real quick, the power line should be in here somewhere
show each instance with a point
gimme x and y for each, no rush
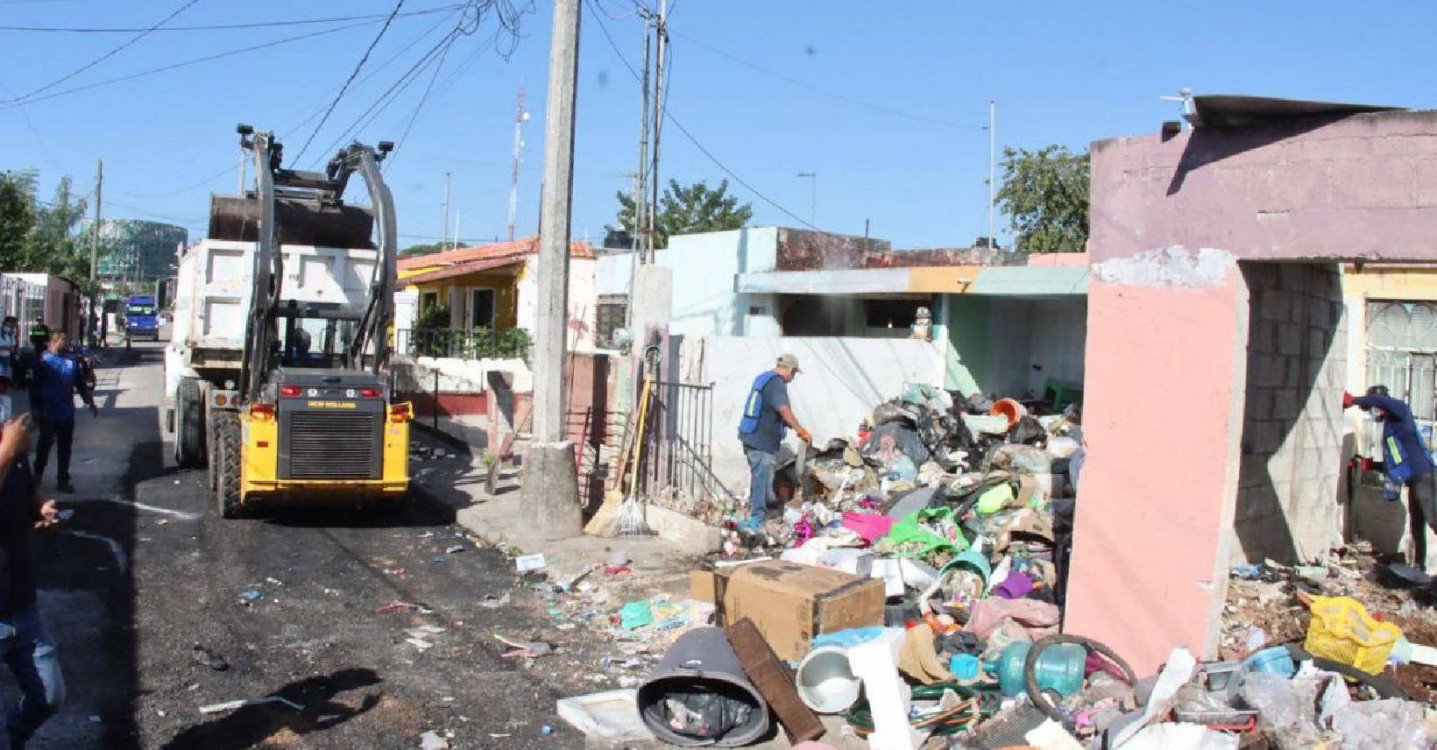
(185, 63)
(224, 26)
(669, 115)
(820, 90)
(107, 55)
(352, 75)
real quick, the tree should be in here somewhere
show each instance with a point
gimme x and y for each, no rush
(54, 246)
(17, 217)
(1045, 197)
(413, 250)
(686, 210)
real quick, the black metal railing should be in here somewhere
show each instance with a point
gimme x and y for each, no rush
(462, 343)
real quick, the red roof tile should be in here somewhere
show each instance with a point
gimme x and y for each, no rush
(512, 249)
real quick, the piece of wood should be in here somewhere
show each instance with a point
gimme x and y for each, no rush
(774, 681)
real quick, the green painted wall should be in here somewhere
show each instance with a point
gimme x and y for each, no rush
(967, 324)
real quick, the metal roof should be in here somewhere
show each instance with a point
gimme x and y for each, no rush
(1235, 111)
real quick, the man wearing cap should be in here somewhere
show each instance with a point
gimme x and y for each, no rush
(761, 430)
(1407, 461)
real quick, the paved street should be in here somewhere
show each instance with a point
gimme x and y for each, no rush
(145, 591)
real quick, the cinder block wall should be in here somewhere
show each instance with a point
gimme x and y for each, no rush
(1288, 506)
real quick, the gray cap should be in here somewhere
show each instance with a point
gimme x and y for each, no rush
(788, 360)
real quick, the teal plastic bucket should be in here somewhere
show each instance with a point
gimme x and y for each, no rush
(1276, 660)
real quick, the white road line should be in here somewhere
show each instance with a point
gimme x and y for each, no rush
(115, 548)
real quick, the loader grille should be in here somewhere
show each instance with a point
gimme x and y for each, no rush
(332, 445)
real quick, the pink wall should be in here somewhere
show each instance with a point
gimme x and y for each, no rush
(1167, 335)
(1361, 187)
(1058, 259)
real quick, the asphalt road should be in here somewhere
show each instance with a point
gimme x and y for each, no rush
(146, 575)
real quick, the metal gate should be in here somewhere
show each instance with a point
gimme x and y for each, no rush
(678, 451)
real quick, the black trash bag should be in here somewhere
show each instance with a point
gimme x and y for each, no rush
(705, 712)
(905, 438)
(894, 411)
(979, 404)
(1027, 432)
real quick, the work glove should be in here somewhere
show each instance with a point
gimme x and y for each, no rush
(1346, 399)
(805, 435)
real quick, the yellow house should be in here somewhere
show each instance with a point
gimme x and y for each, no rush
(481, 285)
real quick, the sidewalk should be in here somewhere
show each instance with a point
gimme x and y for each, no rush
(469, 429)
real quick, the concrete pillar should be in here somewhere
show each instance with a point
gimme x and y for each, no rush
(1163, 405)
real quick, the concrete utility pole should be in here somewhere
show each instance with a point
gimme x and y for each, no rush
(992, 158)
(550, 476)
(444, 243)
(661, 37)
(641, 240)
(95, 254)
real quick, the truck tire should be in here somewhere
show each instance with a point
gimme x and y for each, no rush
(226, 467)
(189, 424)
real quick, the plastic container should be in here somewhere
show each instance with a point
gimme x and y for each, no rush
(1009, 408)
(1276, 660)
(702, 662)
(965, 666)
(973, 560)
(825, 680)
(1060, 668)
(1341, 630)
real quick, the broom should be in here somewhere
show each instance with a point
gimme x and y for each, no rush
(630, 520)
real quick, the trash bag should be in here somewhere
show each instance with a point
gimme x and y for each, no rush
(1390, 724)
(893, 411)
(913, 536)
(905, 438)
(1027, 431)
(704, 714)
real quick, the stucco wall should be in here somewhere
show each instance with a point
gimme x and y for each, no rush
(583, 301)
(1364, 186)
(842, 379)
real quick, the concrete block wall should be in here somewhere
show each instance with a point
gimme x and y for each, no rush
(1288, 506)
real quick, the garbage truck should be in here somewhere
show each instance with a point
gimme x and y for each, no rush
(141, 318)
(277, 371)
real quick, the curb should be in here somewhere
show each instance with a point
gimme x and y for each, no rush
(444, 437)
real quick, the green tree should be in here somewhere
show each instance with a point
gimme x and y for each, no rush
(54, 244)
(413, 250)
(17, 217)
(1044, 194)
(686, 210)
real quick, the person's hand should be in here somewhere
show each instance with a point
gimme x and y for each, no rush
(16, 432)
(1346, 399)
(805, 435)
(49, 516)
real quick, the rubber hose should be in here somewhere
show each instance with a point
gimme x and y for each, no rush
(1385, 687)
(1030, 676)
(861, 717)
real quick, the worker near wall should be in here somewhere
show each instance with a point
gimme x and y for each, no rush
(52, 401)
(766, 411)
(1407, 461)
(25, 646)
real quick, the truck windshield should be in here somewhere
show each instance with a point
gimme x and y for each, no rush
(140, 310)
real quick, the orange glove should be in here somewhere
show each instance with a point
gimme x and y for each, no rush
(805, 435)
(1346, 399)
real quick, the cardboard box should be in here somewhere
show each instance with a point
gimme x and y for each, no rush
(701, 586)
(791, 603)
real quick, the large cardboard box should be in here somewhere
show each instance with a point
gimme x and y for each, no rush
(791, 603)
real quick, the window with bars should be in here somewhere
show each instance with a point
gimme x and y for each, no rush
(611, 311)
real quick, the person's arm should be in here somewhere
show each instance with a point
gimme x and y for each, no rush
(1392, 406)
(84, 388)
(785, 412)
(12, 443)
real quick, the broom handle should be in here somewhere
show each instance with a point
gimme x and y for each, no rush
(639, 434)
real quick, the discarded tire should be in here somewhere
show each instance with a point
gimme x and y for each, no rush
(698, 695)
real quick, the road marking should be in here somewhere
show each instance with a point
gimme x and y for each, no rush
(115, 548)
(142, 506)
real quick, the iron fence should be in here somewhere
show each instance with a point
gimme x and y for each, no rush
(678, 447)
(461, 343)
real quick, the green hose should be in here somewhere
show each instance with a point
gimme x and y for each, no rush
(861, 716)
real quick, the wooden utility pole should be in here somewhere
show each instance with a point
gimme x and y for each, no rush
(550, 475)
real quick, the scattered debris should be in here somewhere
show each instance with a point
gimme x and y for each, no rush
(432, 741)
(527, 563)
(205, 657)
(397, 606)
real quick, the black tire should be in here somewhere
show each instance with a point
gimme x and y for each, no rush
(1030, 678)
(226, 468)
(189, 424)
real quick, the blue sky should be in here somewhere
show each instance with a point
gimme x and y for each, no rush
(890, 114)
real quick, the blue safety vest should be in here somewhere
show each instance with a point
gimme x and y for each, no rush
(753, 407)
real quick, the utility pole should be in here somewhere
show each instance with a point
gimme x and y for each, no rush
(661, 45)
(642, 239)
(812, 197)
(550, 475)
(992, 158)
(520, 117)
(444, 243)
(95, 253)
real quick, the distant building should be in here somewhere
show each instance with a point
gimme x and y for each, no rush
(136, 250)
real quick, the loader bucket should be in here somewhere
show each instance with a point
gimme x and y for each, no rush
(300, 222)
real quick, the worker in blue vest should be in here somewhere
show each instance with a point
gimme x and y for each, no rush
(761, 430)
(1407, 461)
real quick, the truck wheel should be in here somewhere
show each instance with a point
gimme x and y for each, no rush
(226, 468)
(189, 424)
